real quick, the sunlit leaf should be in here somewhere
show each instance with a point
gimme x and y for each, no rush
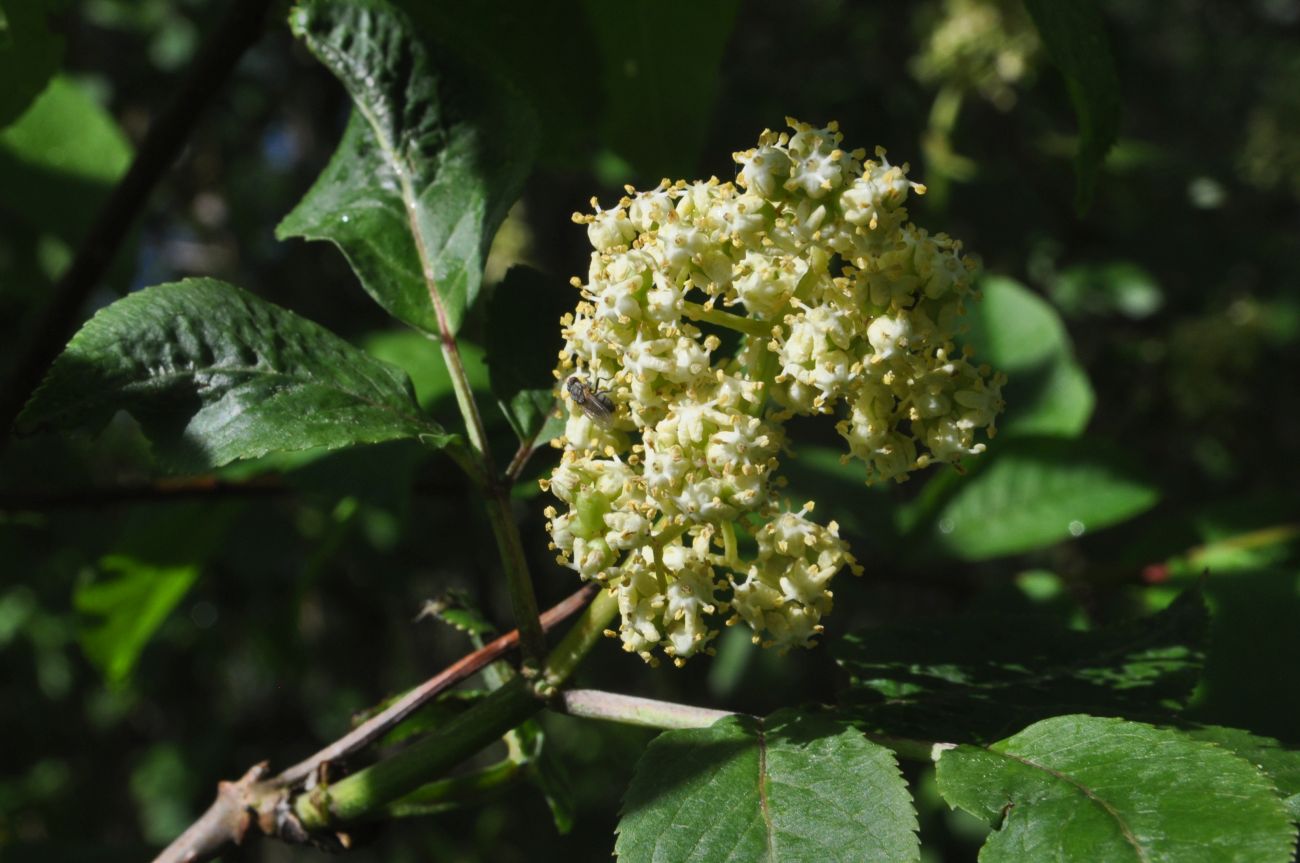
(64, 149)
(792, 787)
(127, 604)
(418, 355)
(1025, 494)
(1021, 335)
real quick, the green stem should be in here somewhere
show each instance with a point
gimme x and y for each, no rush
(523, 602)
(532, 641)
(579, 640)
(748, 326)
(762, 367)
(457, 791)
(361, 794)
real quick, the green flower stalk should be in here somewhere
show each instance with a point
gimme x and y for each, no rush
(839, 306)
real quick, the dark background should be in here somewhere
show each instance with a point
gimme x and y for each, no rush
(1178, 287)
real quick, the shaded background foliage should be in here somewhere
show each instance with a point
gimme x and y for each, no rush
(152, 646)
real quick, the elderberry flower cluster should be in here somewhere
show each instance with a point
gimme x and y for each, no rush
(833, 304)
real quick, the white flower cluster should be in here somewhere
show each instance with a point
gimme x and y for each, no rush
(836, 304)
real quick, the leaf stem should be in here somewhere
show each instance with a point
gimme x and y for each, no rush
(523, 600)
(631, 710)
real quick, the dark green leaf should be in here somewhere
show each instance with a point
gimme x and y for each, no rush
(865, 513)
(1027, 493)
(979, 678)
(792, 787)
(547, 773)
(1076, 40)
(214, 374)
(429, 164)
(30, 53)
(1083, 788)
(535, 46)
(660, 99)
(1018, 333)
(523, 341)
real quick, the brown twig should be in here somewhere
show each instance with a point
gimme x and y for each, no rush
(253, 800)
(166, 137)
(380, 724)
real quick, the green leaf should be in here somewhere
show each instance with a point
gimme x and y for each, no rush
(214, 374)
(431, 160)
(523, 41)
(157, 555)
(456, 609)
(523, 340)
(1018, 333)
(30, 53)
(979, 678)
(1280, 762)
(1025, 494)
(1076, 40)
(65, 148)
(548, 774)
(1089, 789)
(129, 606)
(660, 102)
(419, 356)
(792, 787)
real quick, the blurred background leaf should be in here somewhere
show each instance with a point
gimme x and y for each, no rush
(30, 53)
(1025, 494)
(1076, 40)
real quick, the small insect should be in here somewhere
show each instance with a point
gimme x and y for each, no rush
(596, 405)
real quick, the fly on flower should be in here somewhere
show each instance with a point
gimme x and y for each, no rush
(596, 405)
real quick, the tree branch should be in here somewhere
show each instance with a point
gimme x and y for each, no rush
(238, 30)
(230, 816)
(380, 724)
